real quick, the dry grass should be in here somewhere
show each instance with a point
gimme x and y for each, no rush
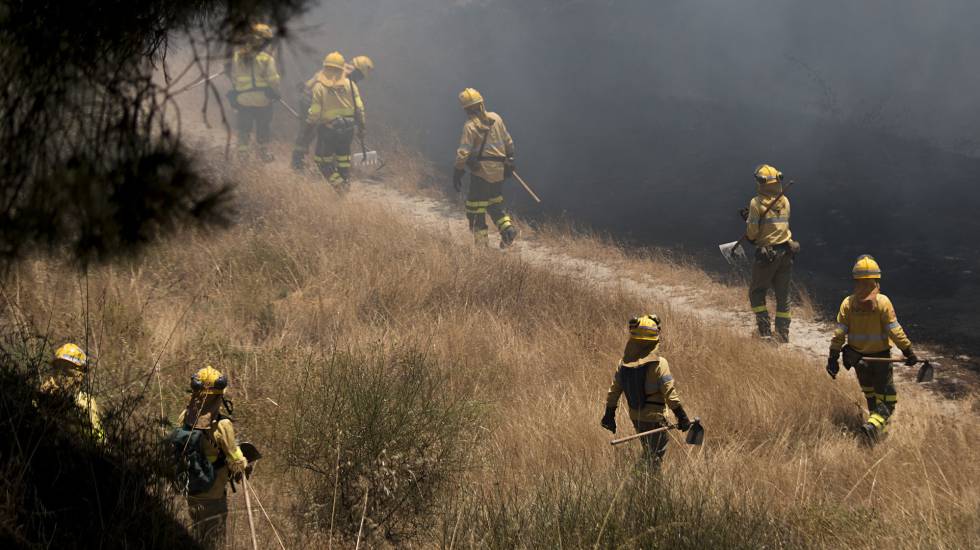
(305, 276)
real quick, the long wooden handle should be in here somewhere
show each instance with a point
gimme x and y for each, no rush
(251, 522)
(895, 359)
(639, 435)
(526, 187)
(288, 108)
(199, 82)
(762, 216)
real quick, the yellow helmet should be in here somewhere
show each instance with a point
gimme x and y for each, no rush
(262, 31)
(209, 381)
(470, 97)
(767, 175)
(646, 327)
(335, 60)
(72, 355)
(363, 63)
(866, 267)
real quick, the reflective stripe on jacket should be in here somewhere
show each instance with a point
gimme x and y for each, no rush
(251, 74)
(658, 389)
(332, 99)
(774, 228)
(499, 144)
(869, 328)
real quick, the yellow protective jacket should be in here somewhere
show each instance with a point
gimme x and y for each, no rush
(83, 400)
(774, 228)
(220, 439)
(251, 73)
(499, 145)
(655, 394)
(334, 98)
(868, 326)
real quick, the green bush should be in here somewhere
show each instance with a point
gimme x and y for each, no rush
(402, 437)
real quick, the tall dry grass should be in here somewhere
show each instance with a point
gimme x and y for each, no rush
(313, 305)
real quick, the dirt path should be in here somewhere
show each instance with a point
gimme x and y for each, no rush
(807, 337)
(433, 215)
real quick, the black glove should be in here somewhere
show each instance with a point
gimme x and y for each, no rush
(509, 168)
(744, 213)
(683, 422)
(851, 357)
(458, 179)
(910, 359)
(833, 363)
(609, 420)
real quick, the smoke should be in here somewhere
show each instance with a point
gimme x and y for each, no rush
(646, 119)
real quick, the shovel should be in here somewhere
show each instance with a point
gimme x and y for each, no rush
(926, 371)
(695, 435)
(734, 252)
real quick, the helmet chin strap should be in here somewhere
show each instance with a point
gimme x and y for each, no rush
(229, 406)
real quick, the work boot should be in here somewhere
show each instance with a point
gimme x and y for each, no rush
(344, 185)
(298, 163)
(871, 434)
(265, 156)
(782, 330)
(508, 236)
(763, 325)
(481, 238)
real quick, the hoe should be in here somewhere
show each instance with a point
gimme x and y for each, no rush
(695, 435)
(925, 373)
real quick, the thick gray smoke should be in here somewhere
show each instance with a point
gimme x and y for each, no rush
(646, 119)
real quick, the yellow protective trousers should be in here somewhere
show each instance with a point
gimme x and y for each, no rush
(485, 198)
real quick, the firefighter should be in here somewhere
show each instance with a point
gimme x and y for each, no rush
(336, 111)
(357, 70)
(775, 250)
(208, 506)
(70, 367)
(644, 376)
(255, 87)
(867, 321)
(488, 150)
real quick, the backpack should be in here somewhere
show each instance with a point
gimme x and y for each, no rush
(195, 474)
(633, 380)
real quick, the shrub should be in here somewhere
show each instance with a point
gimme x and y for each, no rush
(401, 439)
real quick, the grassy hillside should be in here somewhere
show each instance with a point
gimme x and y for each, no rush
(460, 391)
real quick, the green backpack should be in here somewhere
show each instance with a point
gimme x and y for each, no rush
(195, 473)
